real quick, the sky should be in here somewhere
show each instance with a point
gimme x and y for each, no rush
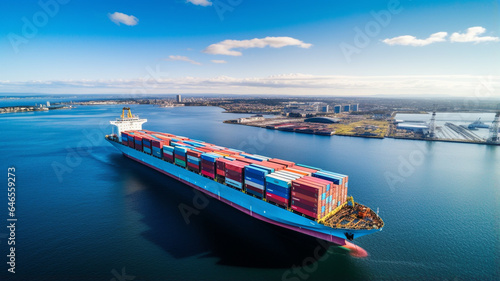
(303, 48)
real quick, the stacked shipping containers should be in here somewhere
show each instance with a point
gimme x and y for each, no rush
(146, 144)
(158, 142)
(309, 197)
(138, 142)
(208, 164)
(194, 160)
(255, 179)
(234, 173)
(339, 180)
(304, 189)
(168, 153)
(180, 155)
(221, 166)
(278, 187)
(125, 139)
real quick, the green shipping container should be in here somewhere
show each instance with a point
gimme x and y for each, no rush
(180, 162)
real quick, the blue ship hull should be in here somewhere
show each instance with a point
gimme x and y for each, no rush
(248, 204)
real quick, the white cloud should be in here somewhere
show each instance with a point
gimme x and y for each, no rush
(285, 84)
(408, 40)
(226, 47)
(182, 58)
(218, 61)
(472, 36)
(203, 3)
(118, 18)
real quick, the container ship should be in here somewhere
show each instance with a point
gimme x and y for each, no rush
(301, 198)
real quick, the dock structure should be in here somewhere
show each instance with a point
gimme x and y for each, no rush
(493, 137)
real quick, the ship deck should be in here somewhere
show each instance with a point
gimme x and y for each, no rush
(354, 217)
(349, 217)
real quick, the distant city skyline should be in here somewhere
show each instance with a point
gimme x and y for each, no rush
(406, 48)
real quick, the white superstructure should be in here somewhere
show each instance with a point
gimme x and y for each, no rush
(129, 122)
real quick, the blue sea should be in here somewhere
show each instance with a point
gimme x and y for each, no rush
(85, 212)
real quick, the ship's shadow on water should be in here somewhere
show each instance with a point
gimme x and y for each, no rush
(209, 228)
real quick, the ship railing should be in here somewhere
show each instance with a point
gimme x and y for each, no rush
(336, 210)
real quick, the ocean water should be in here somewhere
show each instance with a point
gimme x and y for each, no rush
(85, 212)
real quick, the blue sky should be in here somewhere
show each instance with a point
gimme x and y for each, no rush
(278, 47)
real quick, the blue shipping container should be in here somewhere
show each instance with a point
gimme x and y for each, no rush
(275, 192)
(157, 151)
(233, 183)
(277, 188)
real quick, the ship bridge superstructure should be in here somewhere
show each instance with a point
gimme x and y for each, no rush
(128, 122)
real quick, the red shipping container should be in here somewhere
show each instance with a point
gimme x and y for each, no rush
(310, 182)
(210, 175)
(304, 203)
(229, 152)
(260, 191)
(318, 180)
(305, 212)
(307, 202)
(168, 158)
(131, 141)
(235, 166)
(276, 197)
(234, 173)
(194, 153)
(209, 167)
(221, 172)
(220, 163)
(307, 186)
(282, 162)
(275, 166)
(159, 144)
(304, 169)
(235, 178)
(306, 192)
(193, 169)
(322, 181)
(304, 196)
(183, 158)
(277, 202)
(245, 160)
